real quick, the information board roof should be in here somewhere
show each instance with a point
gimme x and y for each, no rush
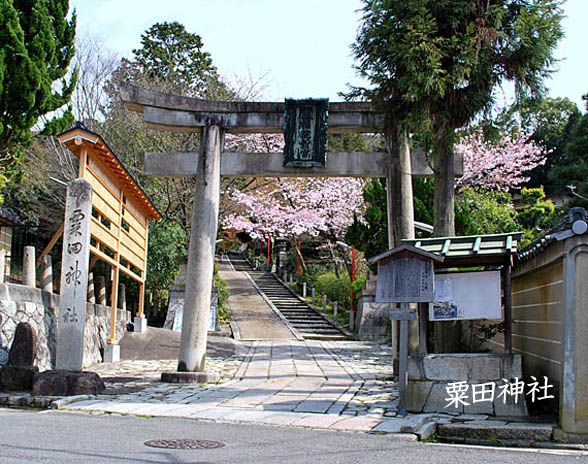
(406, 247)
(471, 249)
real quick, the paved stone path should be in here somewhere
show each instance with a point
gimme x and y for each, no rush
(255, 318)
(337, 385)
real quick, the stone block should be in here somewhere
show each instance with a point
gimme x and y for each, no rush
(471, 417)
(485, 368)
(17, 378)
(374, 322)
(427, 430)
(22, 293)
(480, 407)
(497, 430)
(446, 367)
(510, 408)
(4, 292)
(437, 401)
(517, 431)
(512, 367)
(417, 393)
(412, 423)
(111, 353)
(140, 325)
(49, 300)
(67, 383)
(415, 368)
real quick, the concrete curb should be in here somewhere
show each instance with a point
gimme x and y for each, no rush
(67, 400)
(412, 428)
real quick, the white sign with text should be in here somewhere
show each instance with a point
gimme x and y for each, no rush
(466, 295)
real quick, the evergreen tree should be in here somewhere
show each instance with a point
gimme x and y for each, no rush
(444, 58)
(172, 56)
(572, 169)
(36, 47)
(370, 235)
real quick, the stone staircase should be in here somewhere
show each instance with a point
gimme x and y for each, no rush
(309, 323)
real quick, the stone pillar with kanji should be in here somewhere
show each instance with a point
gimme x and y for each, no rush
(74, 276)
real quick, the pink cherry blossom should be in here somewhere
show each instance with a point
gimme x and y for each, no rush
(501, 166)
(295, 205)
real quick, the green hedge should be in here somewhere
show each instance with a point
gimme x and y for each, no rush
(336, 289)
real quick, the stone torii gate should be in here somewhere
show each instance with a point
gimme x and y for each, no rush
(214, 119)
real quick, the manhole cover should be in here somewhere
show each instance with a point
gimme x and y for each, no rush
(184, 443)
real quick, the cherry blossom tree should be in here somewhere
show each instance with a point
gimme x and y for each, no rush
(297, 206)
(290, 206)
(501, 166)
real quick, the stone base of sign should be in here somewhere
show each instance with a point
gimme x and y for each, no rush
(189, 377)
(111, 353)
(17, 378)
(140, 324)
(372, 321)
(67, 383)
(175, 309)
(565, 437)
(429, 376)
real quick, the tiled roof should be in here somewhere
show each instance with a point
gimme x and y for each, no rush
(8, 215)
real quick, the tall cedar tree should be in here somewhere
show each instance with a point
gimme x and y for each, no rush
(442, 60)
(171, 54)
(36, 47)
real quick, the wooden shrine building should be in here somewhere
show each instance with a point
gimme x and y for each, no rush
(121, 212)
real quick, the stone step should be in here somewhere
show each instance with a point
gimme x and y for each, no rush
(310, 324)
(497, 430)
(317, 331)
(292, 313)
(294, 309)
(298, 312)
(325, 337)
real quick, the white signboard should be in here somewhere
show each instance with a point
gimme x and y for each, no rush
(466, 295)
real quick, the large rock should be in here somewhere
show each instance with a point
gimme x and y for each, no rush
(67, 383)
(17, 378)
(24, 346)
(19, 372)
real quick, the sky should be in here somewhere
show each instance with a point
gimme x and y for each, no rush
(296, 48)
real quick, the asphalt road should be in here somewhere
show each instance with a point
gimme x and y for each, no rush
(56, 437)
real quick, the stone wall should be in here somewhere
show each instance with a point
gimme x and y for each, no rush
(550, 323)
(429, 377)
(19, 303)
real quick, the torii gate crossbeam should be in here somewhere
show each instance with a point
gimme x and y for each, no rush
(183, 114)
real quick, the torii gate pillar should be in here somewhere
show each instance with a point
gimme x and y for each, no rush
(200, 261)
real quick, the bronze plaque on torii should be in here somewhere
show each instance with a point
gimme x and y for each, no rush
(305, 132)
